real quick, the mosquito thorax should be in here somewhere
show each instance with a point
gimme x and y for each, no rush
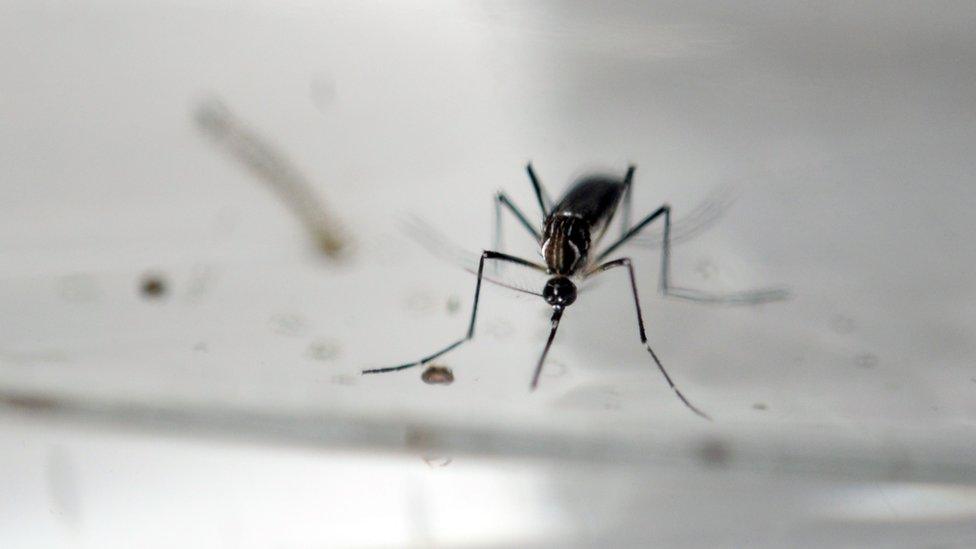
(566, 243)
(559, 291)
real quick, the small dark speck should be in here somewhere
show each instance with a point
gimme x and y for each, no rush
(343, 380)
(706, 269)
(323, 349)
(714, 452)
(153, 286)
(419, 438)
(453, 305)
(201, 279)
(866, 360)
(30, 402)
(288, 324)
(323, 92)
(842, 324)
(437, 375)
(759, 406)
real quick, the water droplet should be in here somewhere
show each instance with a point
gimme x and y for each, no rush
(323, 349)
(288, 324)
(500, 329)
(453, 305)
(706, 269)
(421, 303)
(343, 380)
(437, 461)
(842, 324)
(78, 288)
(323, 92)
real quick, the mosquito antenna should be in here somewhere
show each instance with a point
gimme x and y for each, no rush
(671, 383)
(540, 193)
(556, 315)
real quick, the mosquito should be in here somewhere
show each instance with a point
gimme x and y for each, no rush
(570, 235)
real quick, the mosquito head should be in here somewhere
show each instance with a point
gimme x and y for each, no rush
(559, 292)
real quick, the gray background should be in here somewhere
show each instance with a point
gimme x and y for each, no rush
(229, 412)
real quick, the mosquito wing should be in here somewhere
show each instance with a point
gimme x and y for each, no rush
(698, 220)
(442, 247)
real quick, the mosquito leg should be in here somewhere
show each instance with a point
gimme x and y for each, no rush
(501, 199)
(625, 262)
(752, 297)
(488, 254)
(628, 192)
(557, 313)
(545, 203)
(630, 233)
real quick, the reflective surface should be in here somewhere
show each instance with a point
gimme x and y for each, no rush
(179, 362)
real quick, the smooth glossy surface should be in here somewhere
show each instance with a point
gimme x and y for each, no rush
(228, 410)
